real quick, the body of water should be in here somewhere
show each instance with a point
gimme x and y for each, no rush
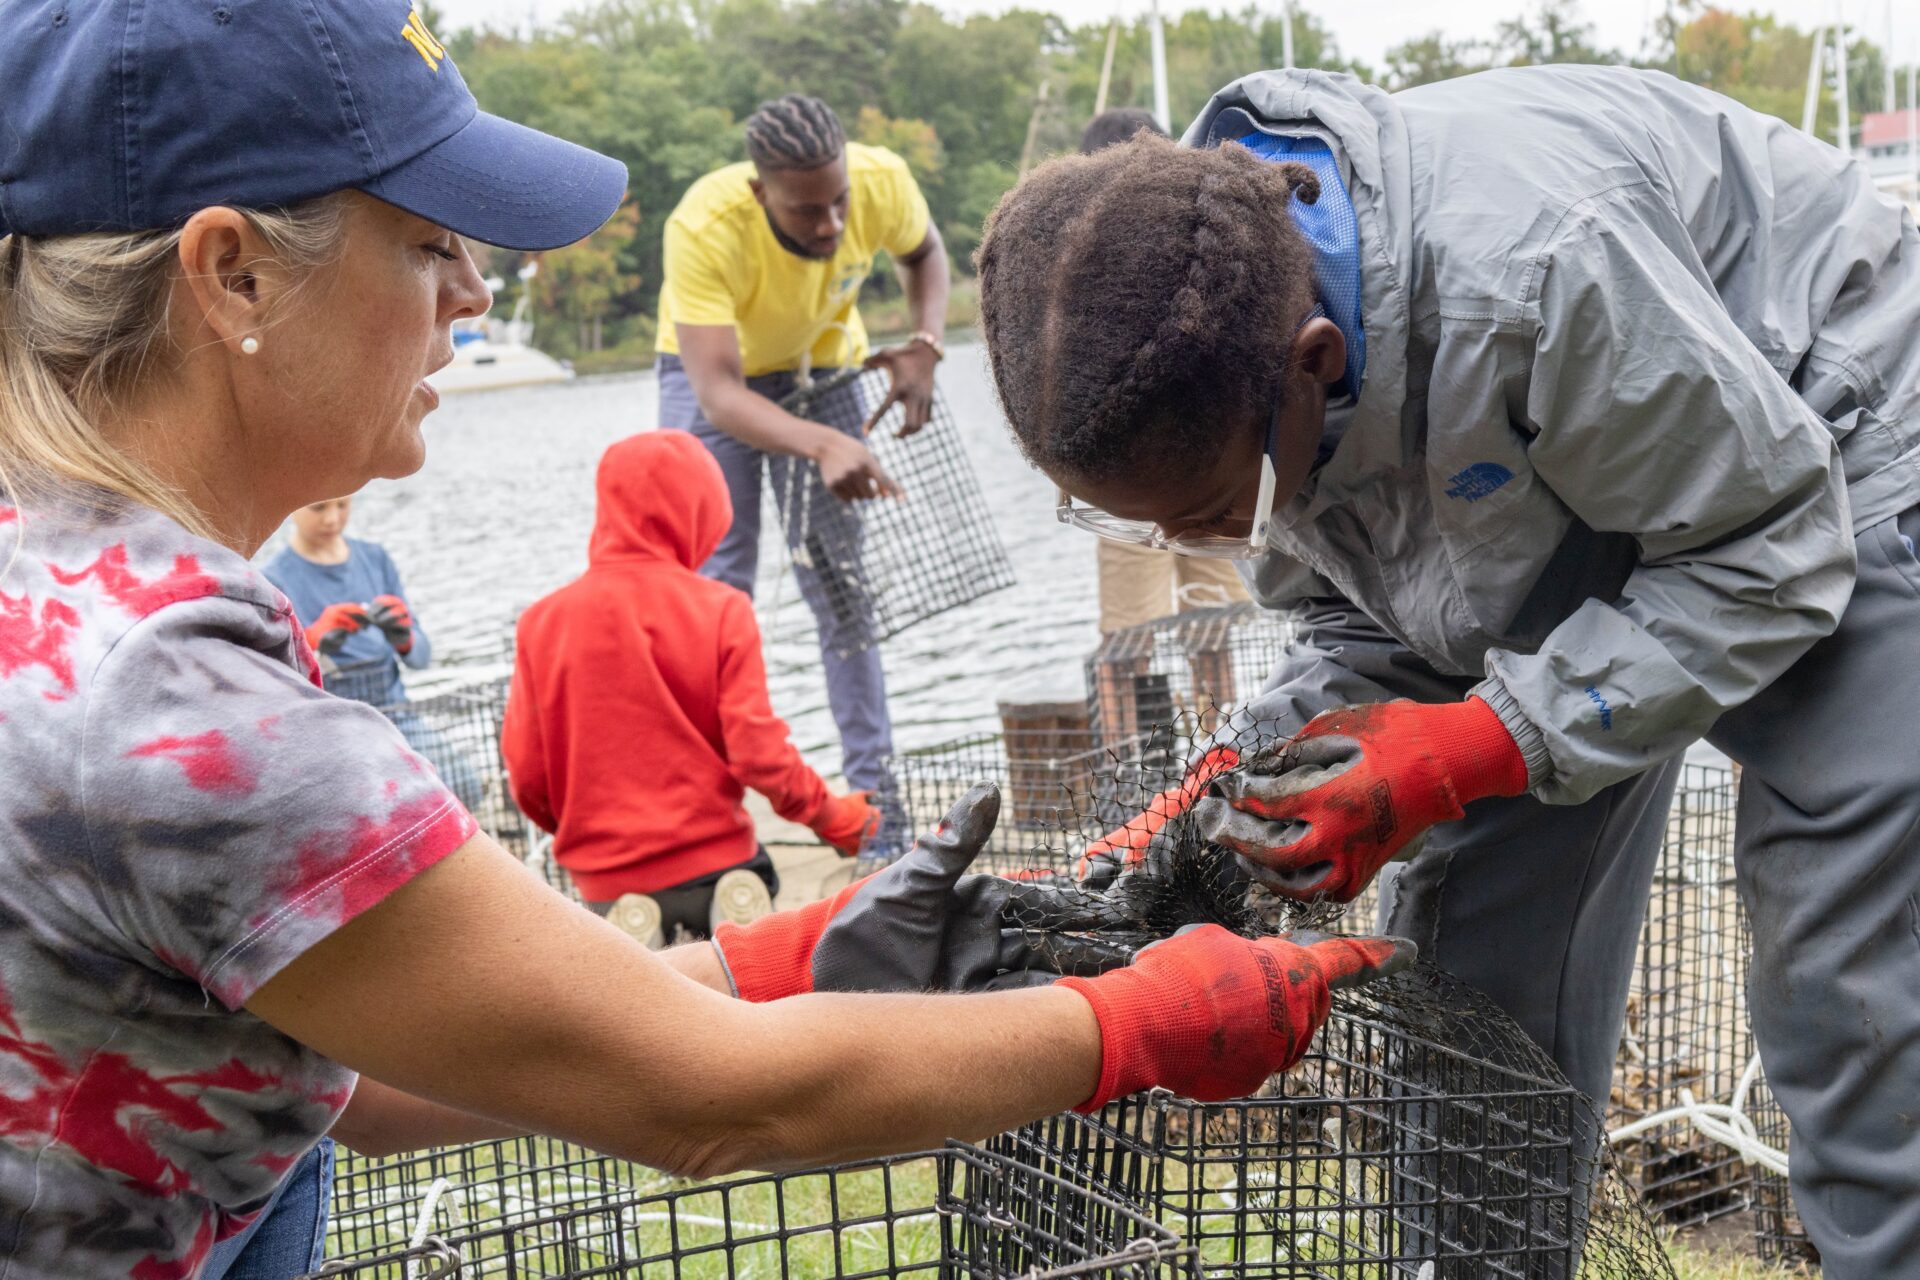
(500, 514)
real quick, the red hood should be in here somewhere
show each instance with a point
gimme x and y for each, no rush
(660, 496)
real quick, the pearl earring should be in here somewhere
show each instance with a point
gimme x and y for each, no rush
(249, 345)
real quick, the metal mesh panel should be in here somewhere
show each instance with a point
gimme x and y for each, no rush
(1687, 1026)
(1777, 1233)
(1045, 777)
(1422, 1136)
(882, 565)
(959, 1212)
(378, 1204)
(1188, 664)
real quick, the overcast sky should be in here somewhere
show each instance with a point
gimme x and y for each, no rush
(1365, 28)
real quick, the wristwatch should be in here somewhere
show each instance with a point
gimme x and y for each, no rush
(931, 341)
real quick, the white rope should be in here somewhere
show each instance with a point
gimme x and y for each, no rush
(423, 1223)
(1726, 1123)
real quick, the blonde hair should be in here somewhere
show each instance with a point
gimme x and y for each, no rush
(83, 324)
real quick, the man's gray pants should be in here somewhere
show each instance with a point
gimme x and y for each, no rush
(1541, 905)
(856, 684)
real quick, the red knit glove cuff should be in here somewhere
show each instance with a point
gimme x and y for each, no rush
(1480, 756)
(1130, 1014)
(772, 958)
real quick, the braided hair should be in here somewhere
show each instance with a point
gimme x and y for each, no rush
(794, 132)
(1138, 301)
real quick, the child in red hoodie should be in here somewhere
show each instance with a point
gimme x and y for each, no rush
(639, 716)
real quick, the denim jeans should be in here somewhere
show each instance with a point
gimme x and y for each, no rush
(289, 1237)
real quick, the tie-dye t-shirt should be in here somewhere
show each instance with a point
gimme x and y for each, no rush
(182, 812)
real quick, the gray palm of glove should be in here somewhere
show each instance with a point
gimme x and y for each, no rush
(1269, 778)
(926, 924)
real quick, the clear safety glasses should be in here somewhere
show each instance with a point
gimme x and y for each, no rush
(1209, 546)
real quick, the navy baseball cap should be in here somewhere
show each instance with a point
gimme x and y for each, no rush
(131, 115)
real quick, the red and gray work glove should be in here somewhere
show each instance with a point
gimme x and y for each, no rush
(1321, 815)
(845, 822)
(395, 620)
(336, 622)
(1210, 1015)
(921, 924)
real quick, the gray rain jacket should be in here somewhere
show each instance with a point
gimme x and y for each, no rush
(1640, 362)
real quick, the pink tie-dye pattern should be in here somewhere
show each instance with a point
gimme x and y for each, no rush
(43, 641)
(136, 595)
(207, 759)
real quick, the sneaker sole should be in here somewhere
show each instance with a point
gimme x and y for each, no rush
(638, 916)
(740, 897)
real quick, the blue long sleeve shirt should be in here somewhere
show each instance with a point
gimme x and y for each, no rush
(366, 572)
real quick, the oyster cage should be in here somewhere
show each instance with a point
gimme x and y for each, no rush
(1687, 1030)
(882, 565)
(1192, 663)
(1422, 1136)
(959, 1213)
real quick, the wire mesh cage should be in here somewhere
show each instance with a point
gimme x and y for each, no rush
(1197, 662)
(881, 565)
(1778, 1235)
(1425, 1134)
(384, 1204)
(1687, 1035)
(1043, 774)
(1422, 1136)
(959, 1212)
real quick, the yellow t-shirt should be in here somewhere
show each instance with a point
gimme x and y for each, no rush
(723, 265)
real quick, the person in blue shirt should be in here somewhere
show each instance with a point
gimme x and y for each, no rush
(347, 593)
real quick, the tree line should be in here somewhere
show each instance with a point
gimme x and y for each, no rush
(665, 84)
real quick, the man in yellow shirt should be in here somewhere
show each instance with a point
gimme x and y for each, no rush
(764, 262)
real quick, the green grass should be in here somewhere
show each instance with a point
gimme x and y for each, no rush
(1694, 1259)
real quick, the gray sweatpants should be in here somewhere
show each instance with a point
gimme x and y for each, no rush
(1541, 905)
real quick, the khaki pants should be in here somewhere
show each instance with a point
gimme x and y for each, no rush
(1139, 584)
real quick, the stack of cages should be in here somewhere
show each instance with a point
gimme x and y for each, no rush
(959, 1213)
(882, 565)
(1423, 1136)
(1197, 663)
(1687, 1034)
(1066, 768)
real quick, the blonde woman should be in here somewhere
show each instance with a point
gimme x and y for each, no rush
(230, 251)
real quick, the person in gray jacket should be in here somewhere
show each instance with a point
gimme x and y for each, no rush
(1578, 408)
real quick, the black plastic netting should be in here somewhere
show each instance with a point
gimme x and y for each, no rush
(1425, 1135)
(882, 565)
(533, 1209)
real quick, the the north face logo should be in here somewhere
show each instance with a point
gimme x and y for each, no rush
(1477, 481)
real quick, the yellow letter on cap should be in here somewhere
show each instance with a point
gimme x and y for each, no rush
(416, 34)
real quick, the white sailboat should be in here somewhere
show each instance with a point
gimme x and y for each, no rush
(490, 353)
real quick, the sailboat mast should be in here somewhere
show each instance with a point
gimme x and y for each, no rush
(1162, 113)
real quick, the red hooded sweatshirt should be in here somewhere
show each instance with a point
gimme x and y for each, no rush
(639, 714)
